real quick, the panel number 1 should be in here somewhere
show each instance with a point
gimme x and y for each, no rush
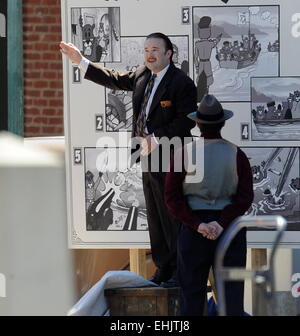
(76, 75)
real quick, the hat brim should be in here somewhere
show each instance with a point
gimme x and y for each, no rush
(227, 115)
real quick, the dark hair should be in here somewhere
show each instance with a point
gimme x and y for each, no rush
(210, 128)
(167, 41)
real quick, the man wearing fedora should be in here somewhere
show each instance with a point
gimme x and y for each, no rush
(207, 207)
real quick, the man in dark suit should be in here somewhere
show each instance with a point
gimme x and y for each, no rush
(162, 97)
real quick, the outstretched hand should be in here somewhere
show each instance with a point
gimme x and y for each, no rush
(71, 51)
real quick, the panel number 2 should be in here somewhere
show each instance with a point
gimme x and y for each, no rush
(77, 156)
(185, 15)
(99, 123)
(245, 131)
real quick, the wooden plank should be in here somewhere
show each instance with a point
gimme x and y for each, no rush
(161, 306)
(143, 301)
(15, 67)
(258, 258)
(147, 291)
(138, 262)
(259, 304)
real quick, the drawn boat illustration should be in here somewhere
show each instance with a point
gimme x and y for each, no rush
(239, 54)
(281, 119)
(275, 126)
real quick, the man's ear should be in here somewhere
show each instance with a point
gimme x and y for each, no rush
(169, 53)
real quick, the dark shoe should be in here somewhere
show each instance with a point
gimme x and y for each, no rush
(160, 276)
(172, 282)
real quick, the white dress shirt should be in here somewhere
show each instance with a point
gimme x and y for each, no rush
(159, 77)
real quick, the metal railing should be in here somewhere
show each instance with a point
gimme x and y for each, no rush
(263, 277)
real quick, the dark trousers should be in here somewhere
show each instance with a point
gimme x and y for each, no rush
(163, 228)
(195, 258)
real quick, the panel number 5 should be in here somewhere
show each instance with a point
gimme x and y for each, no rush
(77, 156)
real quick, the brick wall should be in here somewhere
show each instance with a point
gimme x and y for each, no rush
(43, 78)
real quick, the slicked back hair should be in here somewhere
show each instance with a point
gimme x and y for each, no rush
(167, 41)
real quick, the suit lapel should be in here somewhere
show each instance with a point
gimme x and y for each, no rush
(162, 87)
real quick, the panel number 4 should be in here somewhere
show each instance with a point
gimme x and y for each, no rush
(245, 131)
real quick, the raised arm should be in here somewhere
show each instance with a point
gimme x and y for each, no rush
(98, 74)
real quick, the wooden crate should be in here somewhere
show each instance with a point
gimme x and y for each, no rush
(156, 301)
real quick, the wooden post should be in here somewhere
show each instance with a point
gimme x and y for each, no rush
(259, 304)
(138, 262)
(258, 258)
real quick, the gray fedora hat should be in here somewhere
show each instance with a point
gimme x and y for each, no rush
(210, 111)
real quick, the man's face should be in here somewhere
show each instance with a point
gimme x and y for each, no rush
(155, 54)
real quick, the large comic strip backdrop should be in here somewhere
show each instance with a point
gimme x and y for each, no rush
(231, 45)
(241, 53)
(118, 107)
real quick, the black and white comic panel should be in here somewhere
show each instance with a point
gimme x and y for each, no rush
(231, 45)
(113, 192)
(275, 108)
(96, 33)
(276, 183)
(119, 103)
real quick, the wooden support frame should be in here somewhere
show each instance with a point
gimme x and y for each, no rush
(259, 258)
(138, 262)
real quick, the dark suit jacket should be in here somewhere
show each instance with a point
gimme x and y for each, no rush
(177, 89)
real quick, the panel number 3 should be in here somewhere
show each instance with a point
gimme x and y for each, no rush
(185, 15)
